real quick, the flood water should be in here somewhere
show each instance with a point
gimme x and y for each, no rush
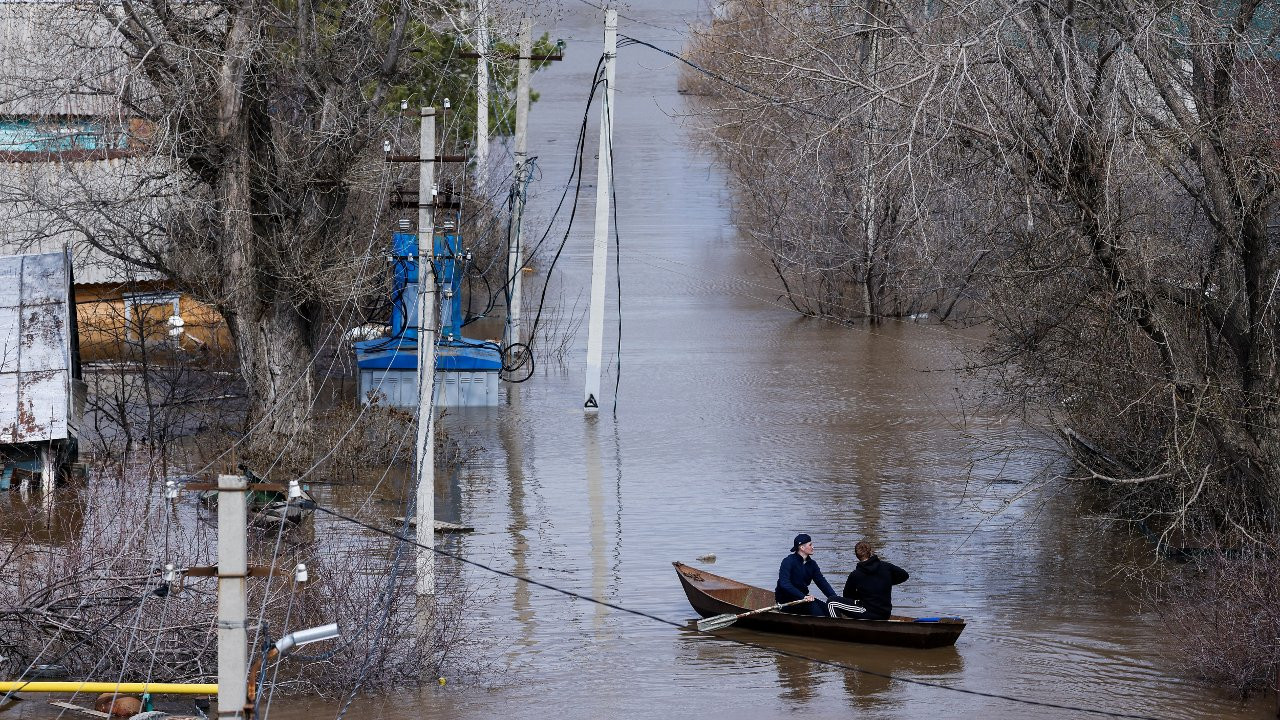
(739, 424)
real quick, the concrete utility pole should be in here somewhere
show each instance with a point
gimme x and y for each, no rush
(604, 187)
(426, 498)
(515, 253)
(482, 95)
(233, 566)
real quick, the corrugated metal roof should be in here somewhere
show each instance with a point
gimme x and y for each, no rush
(58, 58)
(97, 196)
(35, 347)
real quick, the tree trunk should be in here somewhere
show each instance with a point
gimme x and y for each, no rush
(274, 347)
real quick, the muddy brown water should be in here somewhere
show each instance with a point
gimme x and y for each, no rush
(738, 425)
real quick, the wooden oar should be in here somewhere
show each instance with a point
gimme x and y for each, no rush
(727, 619)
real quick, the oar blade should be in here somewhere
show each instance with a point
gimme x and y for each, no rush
(717, 622)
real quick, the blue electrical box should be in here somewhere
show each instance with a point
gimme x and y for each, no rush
(466, 371)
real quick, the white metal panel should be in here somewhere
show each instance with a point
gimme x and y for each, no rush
(8, 399)
(42, 406)
(43, 338)
(35, 349)
(44, 279)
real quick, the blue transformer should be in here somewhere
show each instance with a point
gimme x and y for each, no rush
(466, 370)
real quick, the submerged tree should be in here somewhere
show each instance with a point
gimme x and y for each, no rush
(248, 168)
(1110, 172)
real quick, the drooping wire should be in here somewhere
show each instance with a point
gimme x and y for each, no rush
(388, 594)
(625, 40)
(404, 538)
(617, 264)
(575, 180)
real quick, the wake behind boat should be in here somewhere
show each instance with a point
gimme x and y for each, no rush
(712, 595)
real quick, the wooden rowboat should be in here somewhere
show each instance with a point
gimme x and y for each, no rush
(714, 595)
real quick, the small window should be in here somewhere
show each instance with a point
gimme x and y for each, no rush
(146, 317)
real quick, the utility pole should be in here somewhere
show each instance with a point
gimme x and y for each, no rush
(604, 187)
(515, 251)
(233, 567)
(426, 499)
(482, 95)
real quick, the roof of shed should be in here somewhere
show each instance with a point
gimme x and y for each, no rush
(59, 58)
(35, 347)
(51, 205)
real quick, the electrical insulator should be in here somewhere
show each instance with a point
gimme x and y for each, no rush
(169, 573)
(404, 104)
(300, 573)
(446, 103)
(386, 146)
(295, 490)
(170, 490)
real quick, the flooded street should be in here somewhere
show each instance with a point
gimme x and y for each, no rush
(739, 424)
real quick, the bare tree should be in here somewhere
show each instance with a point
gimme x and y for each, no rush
(1100, 180)
(1106, 174)
(256, 180)
(85, 591)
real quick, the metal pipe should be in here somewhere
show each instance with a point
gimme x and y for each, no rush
(72, 686)
(286, 644)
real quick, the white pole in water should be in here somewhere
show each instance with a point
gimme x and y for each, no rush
(426, 499)
(233, 566)
(515, 253)
(604, 187)
(482, 95)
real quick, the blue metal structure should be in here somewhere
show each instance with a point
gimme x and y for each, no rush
(466, 369)
(22, 135)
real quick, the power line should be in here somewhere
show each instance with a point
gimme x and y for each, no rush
(626, 40)
(650, 616)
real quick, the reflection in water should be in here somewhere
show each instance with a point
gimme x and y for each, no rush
(617, 520)
(518, 526)
(868, 687)
(869, 684)
(51, 518)
(595, 502)
(740, 425)
(797, 678)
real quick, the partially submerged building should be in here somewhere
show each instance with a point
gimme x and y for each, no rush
(76, 171)
(41, 391)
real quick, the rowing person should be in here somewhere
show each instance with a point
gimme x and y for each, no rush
(797, 571)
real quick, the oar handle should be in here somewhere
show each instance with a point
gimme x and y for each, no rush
(727, 619)
(777, 606)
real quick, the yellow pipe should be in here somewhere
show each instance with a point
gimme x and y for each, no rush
(35, 686)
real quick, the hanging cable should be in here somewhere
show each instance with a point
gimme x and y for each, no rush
(575, 179)
(403, 537)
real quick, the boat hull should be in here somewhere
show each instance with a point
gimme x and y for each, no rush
(711, 595)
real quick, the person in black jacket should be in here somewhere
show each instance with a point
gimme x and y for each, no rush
(871, 583)
(794, 575)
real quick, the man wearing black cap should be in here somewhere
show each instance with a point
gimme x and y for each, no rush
(797, 571)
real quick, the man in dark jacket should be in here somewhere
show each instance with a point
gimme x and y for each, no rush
(797, 571)
(871, 583)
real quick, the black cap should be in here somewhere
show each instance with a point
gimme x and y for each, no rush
(800, 540)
